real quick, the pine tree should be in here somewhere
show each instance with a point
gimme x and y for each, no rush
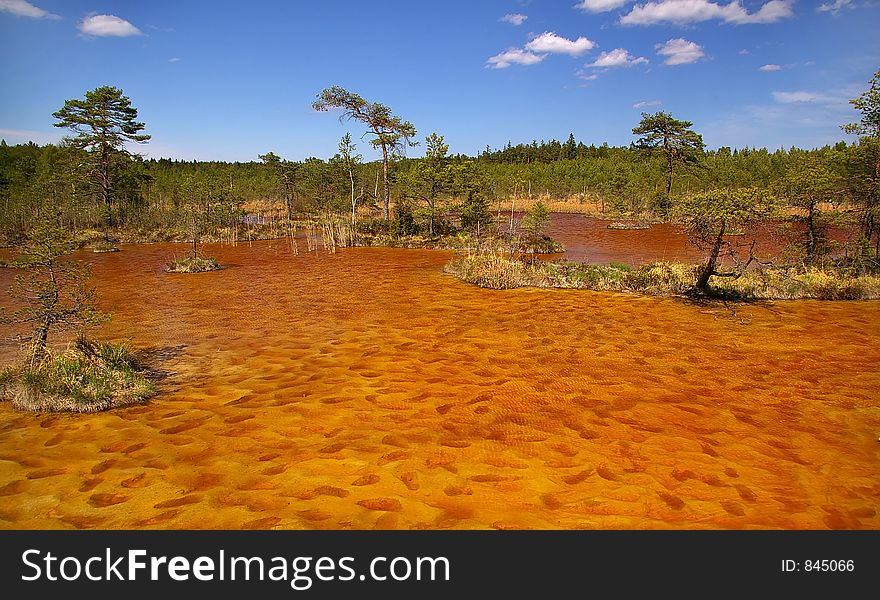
(103, 122)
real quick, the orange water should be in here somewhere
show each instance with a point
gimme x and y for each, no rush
(368, 389)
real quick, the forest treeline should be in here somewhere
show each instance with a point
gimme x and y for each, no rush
(94, 181)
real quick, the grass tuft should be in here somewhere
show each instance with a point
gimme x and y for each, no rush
(87, 377)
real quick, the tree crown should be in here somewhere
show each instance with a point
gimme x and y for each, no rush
(869, 105)
(662, 131)
(105, 119)
(389, 130)
(704, 213)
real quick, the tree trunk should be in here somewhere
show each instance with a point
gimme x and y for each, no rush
(287, 199)
(709, 269)
(386, 191)
(668, 172)
(353, 201)
(106, 188)
(38, 346)
(812, 234)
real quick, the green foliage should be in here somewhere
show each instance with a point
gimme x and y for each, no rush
(404, 221)
(536, 219)
(104, 119)
(709, 215)
(431, 180)
(869, 105)
(475, 212)
(661, 203)
(204, 206)
(808, 184)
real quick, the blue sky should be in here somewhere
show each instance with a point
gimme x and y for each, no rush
(226, 80)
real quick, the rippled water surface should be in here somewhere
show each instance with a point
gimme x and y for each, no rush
(368, 389)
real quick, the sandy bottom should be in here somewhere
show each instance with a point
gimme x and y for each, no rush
(370, 390)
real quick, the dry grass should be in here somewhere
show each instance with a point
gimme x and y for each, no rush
(585, 204)
(794, 284)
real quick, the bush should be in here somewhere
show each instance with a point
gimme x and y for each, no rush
(86, 377)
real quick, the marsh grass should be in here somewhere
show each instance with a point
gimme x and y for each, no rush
(190, 264)
(662, 279)
(86, 377)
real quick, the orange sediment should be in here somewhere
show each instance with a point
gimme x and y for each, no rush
(367, 389)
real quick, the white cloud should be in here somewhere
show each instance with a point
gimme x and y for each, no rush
(551, 43)
(770, 68)
(174, 59)
(837, 98)
(682, 12)
(587, 76)
(107, 25)
(514, 18)
(836, 7)
(21, 8)
(618, 57)
(514, 56)
(597, 6)
(743, 52)
(646, 104)
(680, 52)
(796, 97)
(23, 136)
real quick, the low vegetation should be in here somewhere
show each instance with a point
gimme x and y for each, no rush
(105, 246)
(86, 377)
(662, 279)
(193, 264)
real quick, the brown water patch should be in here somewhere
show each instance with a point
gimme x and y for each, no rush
(384, 504)
(587, 239)
(368, 389)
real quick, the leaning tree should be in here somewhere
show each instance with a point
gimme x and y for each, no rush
(103, 122)
(709, 215)
(673, 138)
(390, 133)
